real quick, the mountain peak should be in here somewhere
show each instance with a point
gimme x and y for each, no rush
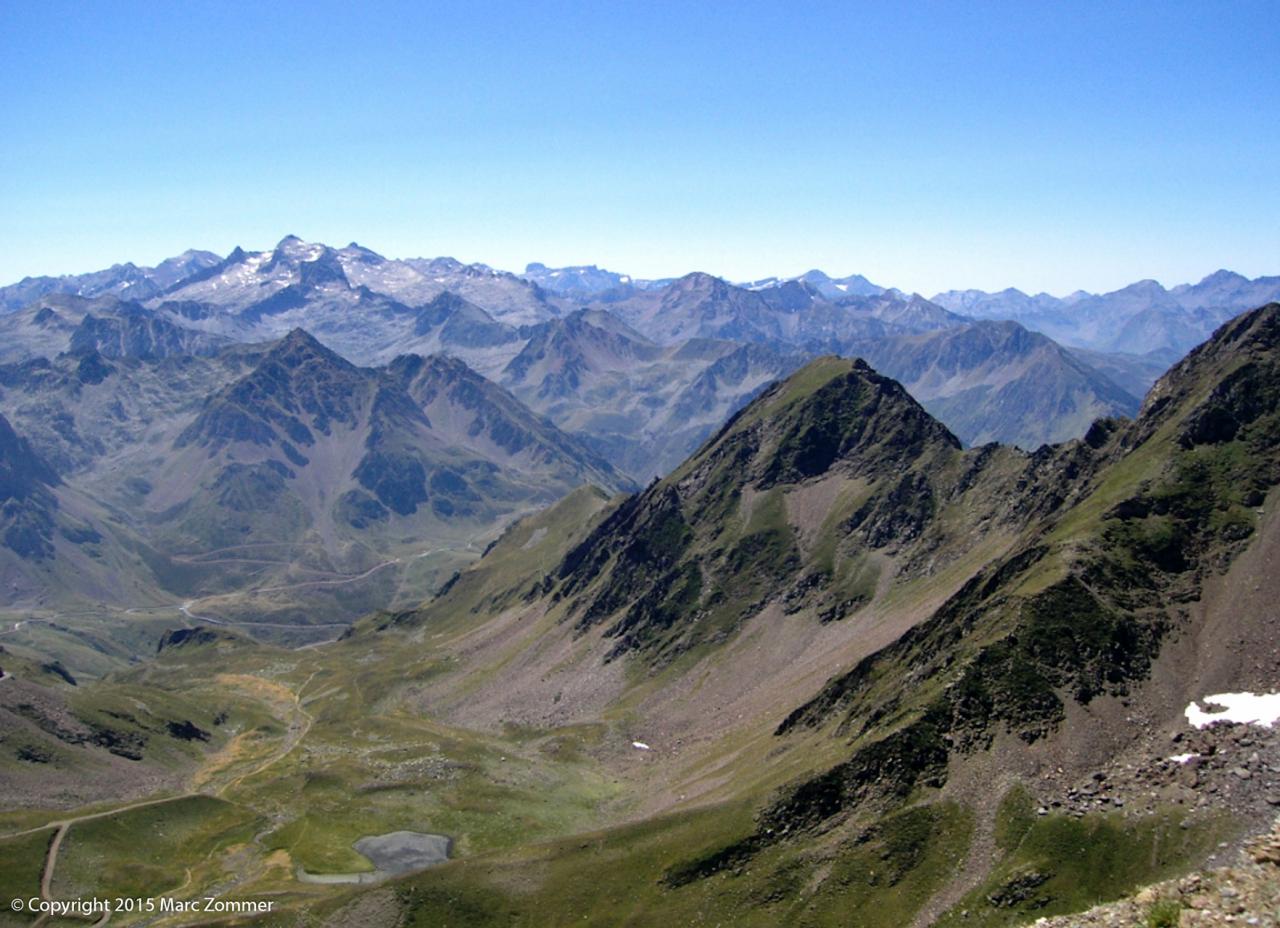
(699, 279)
(1222, 276)
(1223, 383)
(1145, 286)
(697, 552)
(698, 282)
(297, 379)
(299, 338)
(832, 412)
(357, 252)
(446, 301)
(410, 366)
(292, 251)
(299, 347)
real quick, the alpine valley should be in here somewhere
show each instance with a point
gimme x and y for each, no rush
(414, 592)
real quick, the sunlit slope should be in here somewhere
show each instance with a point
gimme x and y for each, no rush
(830, 669)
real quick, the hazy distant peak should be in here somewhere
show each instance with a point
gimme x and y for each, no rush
(357, 252)
(295, 249)
(582, 280)
(699, 279)
(830, 288)
(447, 300)
(1144, 286)
(1222, 276)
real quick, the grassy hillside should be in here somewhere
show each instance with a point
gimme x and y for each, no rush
(835, 669)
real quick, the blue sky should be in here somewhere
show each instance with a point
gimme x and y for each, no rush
(1043, 146)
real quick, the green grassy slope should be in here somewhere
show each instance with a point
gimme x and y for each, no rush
(964, 608)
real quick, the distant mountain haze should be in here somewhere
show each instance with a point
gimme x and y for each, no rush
(639, 370)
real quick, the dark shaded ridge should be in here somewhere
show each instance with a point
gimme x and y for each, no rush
(296, 378)
(681, 566)
(848, 417)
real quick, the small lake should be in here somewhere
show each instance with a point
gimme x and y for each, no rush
(391, 854)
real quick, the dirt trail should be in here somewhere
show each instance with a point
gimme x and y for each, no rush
(299, 726)
(67, 822)
(51, 857)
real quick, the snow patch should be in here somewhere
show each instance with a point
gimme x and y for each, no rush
(1246, 708)
(1183, 758)
(640, 745)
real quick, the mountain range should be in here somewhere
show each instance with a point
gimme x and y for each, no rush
(276, 484)
(1143, 318)
(371, 309)
(368, 424)
(125, 281)
(835, 664)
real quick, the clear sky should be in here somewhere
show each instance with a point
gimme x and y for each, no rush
(928, 146)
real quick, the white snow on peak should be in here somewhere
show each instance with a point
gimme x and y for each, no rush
(842, 287)
(1247, 708)
(640, 745)
(1182, 758)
